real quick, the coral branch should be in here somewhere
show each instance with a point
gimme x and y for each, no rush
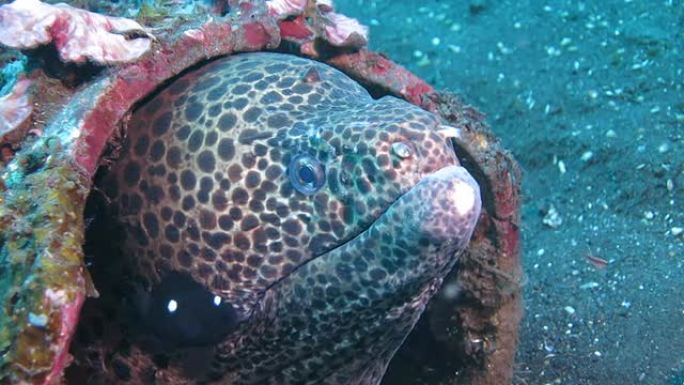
(77, 34)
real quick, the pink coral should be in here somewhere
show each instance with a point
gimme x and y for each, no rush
(15, 108)
(325, 5)
(345, 31)
(77, 34)
(337, 29)
(284, 8)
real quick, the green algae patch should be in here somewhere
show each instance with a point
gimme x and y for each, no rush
(43, 280)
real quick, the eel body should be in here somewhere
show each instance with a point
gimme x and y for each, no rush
(317, 219)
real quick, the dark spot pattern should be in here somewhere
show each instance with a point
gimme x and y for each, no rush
(252, 114)
(206, 161)
(162, 123)
(131, 173)
(174, 157)
(227, 121)
(157, 150)
(188, 180)
(226, 149)
(195, 140)
(141, 146)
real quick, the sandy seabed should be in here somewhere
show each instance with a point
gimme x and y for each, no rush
(588, 96)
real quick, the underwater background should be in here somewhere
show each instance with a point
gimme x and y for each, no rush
(588, 95)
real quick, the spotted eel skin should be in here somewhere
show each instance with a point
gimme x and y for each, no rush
(327, 277)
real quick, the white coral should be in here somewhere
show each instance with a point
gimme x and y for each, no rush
(77, 34)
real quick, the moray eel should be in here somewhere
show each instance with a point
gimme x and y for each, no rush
(321, 219)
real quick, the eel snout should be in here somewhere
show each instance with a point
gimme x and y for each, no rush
(443, 207)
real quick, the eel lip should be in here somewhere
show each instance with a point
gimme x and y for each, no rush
(445, 204)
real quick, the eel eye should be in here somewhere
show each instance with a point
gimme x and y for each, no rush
(306, 173)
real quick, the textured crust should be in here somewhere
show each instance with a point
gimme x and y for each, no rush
(78, 35)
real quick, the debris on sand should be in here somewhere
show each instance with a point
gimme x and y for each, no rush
(597, 262)
(552, 218)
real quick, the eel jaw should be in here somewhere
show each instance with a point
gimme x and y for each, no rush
(358, 301)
